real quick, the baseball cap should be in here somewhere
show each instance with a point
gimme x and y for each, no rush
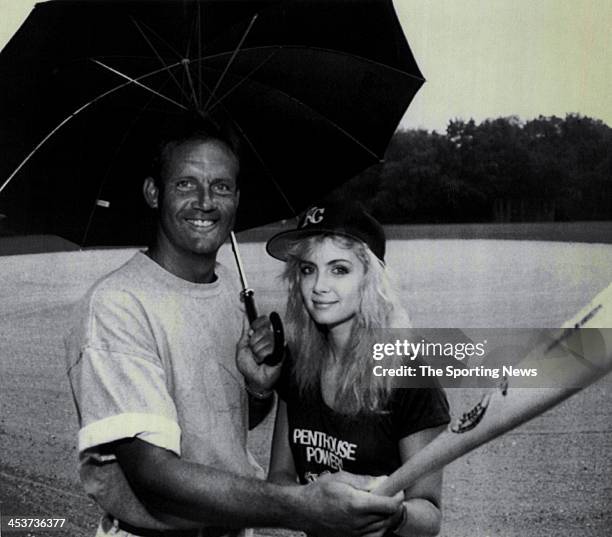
(348, 219)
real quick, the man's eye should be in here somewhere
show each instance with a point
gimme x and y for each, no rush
(184, 184)
(222, 188)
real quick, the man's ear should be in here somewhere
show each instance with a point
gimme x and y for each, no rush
(151, 192)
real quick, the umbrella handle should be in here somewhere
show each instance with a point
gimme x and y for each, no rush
(279, 340)
(249, 304)
(277, 327)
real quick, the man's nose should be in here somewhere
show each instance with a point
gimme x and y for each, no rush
(204, 199)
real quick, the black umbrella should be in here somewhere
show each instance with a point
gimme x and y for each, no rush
(315, 87)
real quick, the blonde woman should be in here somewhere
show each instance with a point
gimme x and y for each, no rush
(334, 413)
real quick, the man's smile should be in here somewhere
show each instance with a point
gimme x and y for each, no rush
(201, 223)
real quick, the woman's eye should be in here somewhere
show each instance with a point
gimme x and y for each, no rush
(306, 269)
(340, 269)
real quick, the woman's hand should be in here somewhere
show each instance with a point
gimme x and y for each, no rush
(255, 344)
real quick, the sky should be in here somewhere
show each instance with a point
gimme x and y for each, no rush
(489, 58)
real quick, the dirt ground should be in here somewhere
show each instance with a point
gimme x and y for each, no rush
(550, 477)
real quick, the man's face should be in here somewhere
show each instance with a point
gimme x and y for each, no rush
(198, 197)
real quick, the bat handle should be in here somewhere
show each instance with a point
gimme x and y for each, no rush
(394, 483)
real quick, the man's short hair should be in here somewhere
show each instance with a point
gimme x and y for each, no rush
(193, 128)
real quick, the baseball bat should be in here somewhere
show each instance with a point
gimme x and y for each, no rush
(577, 356)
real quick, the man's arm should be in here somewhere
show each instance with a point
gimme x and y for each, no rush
(170, 485)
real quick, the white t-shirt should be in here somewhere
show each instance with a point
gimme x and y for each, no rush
(153, 357)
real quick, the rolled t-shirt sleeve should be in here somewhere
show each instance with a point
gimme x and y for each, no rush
(119, 383)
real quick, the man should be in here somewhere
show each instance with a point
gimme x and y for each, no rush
(162, 368)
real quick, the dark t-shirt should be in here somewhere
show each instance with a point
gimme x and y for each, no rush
(322, 440)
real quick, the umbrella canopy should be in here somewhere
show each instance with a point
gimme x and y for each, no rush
(315, 88)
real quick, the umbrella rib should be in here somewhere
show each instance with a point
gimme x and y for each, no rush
(105, 178)
(161, 60)
(337, 127)
(139, 84)
(193, 33)
(298, 101)
(191, 86)
(71, 116)
(243, 80)
(255, 152)
(200, 36)
(176, 52)
(303, 104)
(321, 49)
(270, 174)
(286, 47)
(230, 61)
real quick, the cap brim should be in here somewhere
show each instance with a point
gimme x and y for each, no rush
(279, 245)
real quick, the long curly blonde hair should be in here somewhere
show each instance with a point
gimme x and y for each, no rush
(358, 390)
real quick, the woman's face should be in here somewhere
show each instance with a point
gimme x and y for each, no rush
(330, 283)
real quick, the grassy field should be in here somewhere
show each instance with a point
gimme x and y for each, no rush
(550, 477)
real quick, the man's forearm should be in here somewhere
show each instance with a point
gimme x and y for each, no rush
(169, 485)
(223, 499)
(201, 493)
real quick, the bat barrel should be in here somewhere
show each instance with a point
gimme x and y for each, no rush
(580, 355)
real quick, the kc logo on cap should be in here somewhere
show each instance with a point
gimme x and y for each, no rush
(331, 218)
(313, 216)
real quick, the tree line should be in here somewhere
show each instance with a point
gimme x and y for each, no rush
(501, 170)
